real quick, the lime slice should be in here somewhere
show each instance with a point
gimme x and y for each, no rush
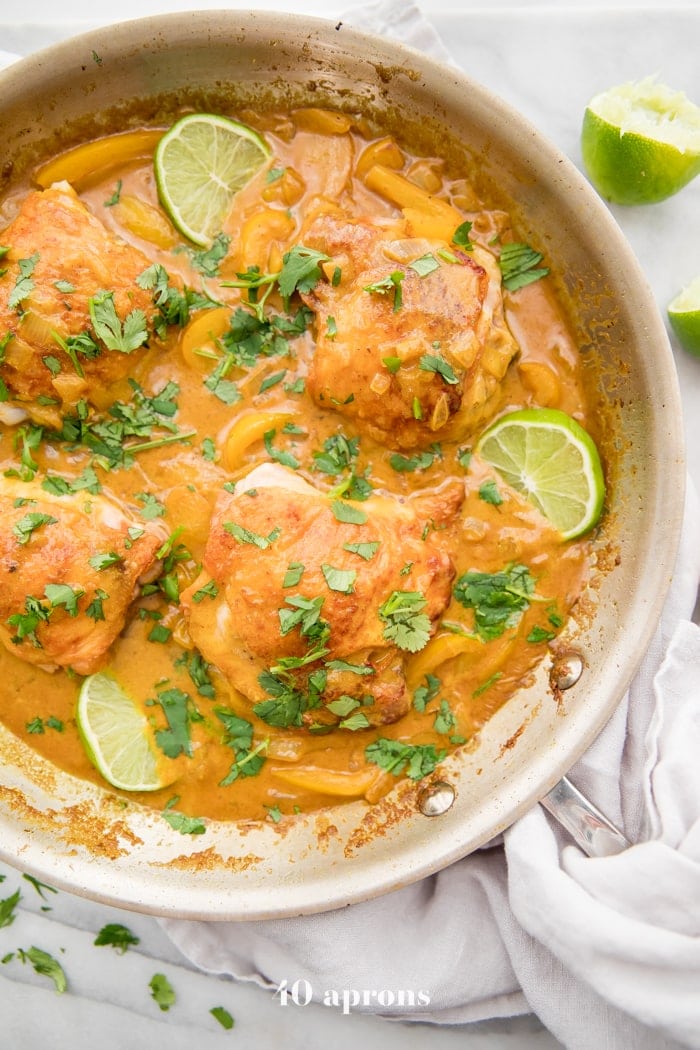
(640, 142)
(201, 163)
(116, 735)
(684, 315)
(549, 458)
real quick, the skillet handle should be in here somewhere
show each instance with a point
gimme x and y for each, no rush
(591, 830)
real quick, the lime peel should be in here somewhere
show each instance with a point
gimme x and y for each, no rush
(116, 735)
(553, 462)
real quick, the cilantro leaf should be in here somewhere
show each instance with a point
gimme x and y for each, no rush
(63, 594)
(178, 709)
(489, 493)
(389, 285)
(461, 236)
(346, 512)
(181, 822)
(24, 285)
(407, 626)
(341, 580)
(124, 336)
(436, 363)
(7, 909)
(301, 270)
(46, 965)
(162, 991)
(243, 535)
(221, 1014)
(249, 760)
(23, 529)
(116, 936)
(366, 551)
(498, 599)
(519, 265)
(418, 760)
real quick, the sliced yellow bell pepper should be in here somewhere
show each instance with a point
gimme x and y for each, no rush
(93, 159)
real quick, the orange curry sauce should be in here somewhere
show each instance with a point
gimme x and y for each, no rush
(322, 165)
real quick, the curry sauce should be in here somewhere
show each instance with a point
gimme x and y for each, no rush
(360, 394)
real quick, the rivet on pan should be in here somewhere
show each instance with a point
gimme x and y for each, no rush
(435, 800)
(566, 670)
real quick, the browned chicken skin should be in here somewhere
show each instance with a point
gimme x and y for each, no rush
(276, 523)
(67, 256)
(56, 608)
(405, 371)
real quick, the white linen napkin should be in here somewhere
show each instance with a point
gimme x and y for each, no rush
(605, 951)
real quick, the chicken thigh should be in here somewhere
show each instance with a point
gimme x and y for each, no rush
(410, 334)
(68, 293)
(68, 570)
(310, 607)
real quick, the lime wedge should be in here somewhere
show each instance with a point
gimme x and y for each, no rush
(201, 163)
(640, 142)
(684, 315)
(116, 735)
(549, 458)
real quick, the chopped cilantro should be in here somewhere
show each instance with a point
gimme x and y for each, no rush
(540, 634)
(65, 595)
(272, 380)
(425, 693)
(437, 364)
(222, 1015)
(342, 580)
(390, 284)
(207, 262)
(407, 626)
(294, 573)
(114, 199)
(95, 610)
(124, 336)
(286, 459)
(7, 909)
(209, 590)
(461, 236)
(425, 265)
(179, 712)
(419, 760)
(24, 285)
(418, 461)
(100, 562)
(301, 270)
(363, 550)
(116, 936)
(249, 760)
(346, 512)
(519, 265)
(181, 822)
(152, 507)
(243, 535)
(46, 965)
(161, 988)
(23, 529)
(498, 599)
(489, 493)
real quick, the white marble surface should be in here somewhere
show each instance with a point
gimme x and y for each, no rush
(547, 60)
